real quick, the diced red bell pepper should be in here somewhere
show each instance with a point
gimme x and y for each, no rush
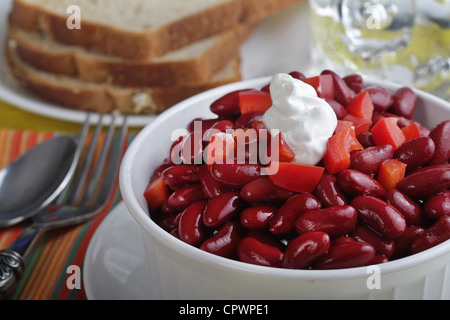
(360, 124)
(156, 193)
(261, 130)
(361, 106)
(362, 127)
(323, 84)
(296, 177)
(412, 131)
(387, 131)
(390, 173)
(339, 148)
(219, 148)
(285, 153)
(258, 125)
(254, 101)
(342, 125)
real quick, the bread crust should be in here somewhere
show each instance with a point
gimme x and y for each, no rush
(72, 61)
(144, 45)
(79, 95)
(257, 10)
(124, 43)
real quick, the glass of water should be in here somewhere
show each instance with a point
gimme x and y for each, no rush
(407, 41)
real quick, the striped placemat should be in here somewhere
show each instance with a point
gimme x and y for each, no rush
(52, 266)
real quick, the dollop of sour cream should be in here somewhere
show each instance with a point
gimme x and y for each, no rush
(305, 120)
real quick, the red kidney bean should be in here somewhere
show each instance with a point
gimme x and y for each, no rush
(434, 235)
(426, 181)
(179, 176)
(160, 169)
(357, 87)
(355, 82)
(381, 98)
(376, 116)
(441, 138)
(297, 75)
(235, 175)
(183, 197)
(169, 223)
(265, 191)
(416, 152)
(191, 149)
(342, 93)
(304, 250)
(409, 209)
(347, 255)
(401, 121)
(268, 238)
(405, 103)
(353, 78)
(438, 205)
(335, 221)
(220, 126)
(380, 216)
(403, 243)
(210, 186)
(245, 121)
(370, 159)
(282, 222)
(175, 152)
(166, 209)
(379, 259)
(250, 250)
(340, 240)
(425, 132)
(190, 227)
(383, 246)
(205, 124)
(225, 242)
(338, 109)
(158, 214)
(356, 183)
(366, 139)
(190, 126)
(228, 105)
(257, 218)
(222, 208)
(328, 193)
(434, 167)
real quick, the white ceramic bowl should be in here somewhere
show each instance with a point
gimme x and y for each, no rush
(180, 271)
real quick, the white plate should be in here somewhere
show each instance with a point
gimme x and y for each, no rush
(286, 34)
(115, 262)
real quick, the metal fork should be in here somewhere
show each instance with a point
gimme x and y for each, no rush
(84, 198)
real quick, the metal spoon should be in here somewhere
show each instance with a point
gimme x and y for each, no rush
(36, 178)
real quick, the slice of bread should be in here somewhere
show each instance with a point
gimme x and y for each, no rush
(192, 65)
(81, 95)
(140, 29)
